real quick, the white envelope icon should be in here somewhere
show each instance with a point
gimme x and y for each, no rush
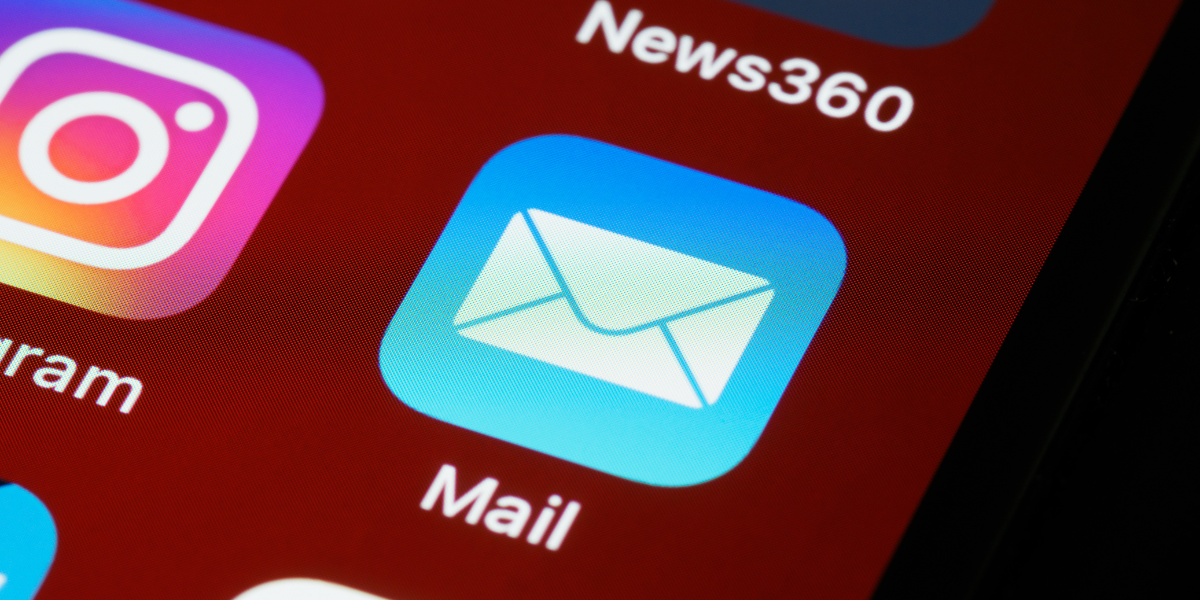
(614, 308)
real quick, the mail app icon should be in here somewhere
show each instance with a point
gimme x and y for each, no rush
(613, 310)
(626, 311)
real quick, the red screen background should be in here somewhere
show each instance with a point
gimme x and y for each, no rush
(267, 446)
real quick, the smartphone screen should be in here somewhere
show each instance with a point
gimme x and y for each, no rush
(588, 298)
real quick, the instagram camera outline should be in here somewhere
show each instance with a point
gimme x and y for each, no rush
(241, 111)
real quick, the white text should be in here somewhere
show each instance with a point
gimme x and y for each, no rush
(839, 95)
(510, 514)
(57, 373)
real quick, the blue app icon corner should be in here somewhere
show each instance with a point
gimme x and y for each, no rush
(28, 542)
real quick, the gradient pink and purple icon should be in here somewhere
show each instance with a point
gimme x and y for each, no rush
(138, 150)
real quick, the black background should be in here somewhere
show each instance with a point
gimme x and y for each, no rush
(1114, 515)
(1112, 511)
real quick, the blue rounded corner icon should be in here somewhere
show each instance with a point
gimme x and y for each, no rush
(900, 23)
(28, 542)
(613, 310)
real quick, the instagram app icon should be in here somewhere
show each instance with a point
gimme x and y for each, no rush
(138, 150)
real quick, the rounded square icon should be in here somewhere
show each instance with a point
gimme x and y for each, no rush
(303, 589)
(28, 542)
(613, 310)
(138, 150)
(900, 23)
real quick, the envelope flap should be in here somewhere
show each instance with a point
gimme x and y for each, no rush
(620, 283)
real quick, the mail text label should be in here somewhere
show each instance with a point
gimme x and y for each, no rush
(508, 516)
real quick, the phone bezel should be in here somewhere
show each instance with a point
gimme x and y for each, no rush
(958, 540)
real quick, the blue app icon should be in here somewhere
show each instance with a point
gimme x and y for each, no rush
(28, 540)
(901, 23)
(613, 310)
